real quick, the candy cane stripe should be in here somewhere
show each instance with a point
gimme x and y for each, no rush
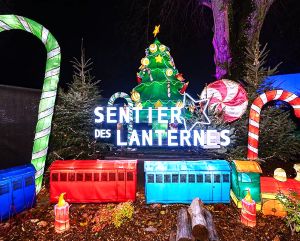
(45, 33)
(4, 26)
(278, 94)
(52, 72)
(48, 94)
(256, 108)
(53, 53)
(39, 154)
(254, 119)
(254, 123)
(42, 133)
(46, 113)
(264, 98)
(24, 24)
(39, 173)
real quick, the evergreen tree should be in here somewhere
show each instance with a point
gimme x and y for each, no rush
(73, 123)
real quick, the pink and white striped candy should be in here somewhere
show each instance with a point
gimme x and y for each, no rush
(228, 96)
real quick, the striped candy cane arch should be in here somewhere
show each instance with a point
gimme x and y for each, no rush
(125, 96)
(47, 101)
(254, 116)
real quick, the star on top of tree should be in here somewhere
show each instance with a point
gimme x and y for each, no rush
(156, 30)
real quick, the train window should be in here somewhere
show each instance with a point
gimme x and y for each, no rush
(191, 178)
(150, 178)
(217, 178)
(207, 178)
(104, 177)
(54, 177)
(182, 177)
(71, 177)
(199, 178)
(29, 181)
(121, 176)
(225, 177)
(4, 188)
(175, 178)
(129, 176)
(112, 177)
(167, 178)
(88, 177)
(96, 177)
(79, 177)
(245, 177)
(63, 177)
(17, 184)
(159, 178)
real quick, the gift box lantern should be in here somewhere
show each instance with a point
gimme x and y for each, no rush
(248, 213)
(61, 211)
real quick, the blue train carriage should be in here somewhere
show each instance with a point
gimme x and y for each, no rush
(245, 175)
(182, 181)
(17, 190)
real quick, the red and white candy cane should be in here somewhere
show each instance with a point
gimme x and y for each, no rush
(254, 116)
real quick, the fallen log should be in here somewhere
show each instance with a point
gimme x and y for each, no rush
(199, 225)
(184, 231)
(212, 232)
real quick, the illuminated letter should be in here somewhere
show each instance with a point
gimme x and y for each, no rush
(199, 138)
(175, 116)
(213, 137)
(147, 136)
(160, 115)
(184, 137)
(150, 115)
(225, 137)
(134, 138)
(137, 114)
(170, 138)
(110, 114)
(123, 115)
(97, 133)
(119, 142)
(159, 136)
(99, 114)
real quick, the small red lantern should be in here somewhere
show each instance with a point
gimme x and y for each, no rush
(180, 77)
(138, 79)
(248, 215)
(61, 211)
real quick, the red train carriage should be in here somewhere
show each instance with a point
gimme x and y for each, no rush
(93, 180)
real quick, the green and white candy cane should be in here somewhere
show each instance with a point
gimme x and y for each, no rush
(125, 96)
(47, 101)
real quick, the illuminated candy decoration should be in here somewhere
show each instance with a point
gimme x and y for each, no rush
(145, 61)
(179, 77)
(254, 116)
(184, 87)
(280, 174)
(162, 48)
(125, 96)
(158, 59)
(248, 212)
(228, 97)
(135, 96)
(139, 105)
(138, 79)
(168, 53)
(179, 104)
(274, 208)
(47, 101)
(153, 48)
(61, 211)
(169, 72)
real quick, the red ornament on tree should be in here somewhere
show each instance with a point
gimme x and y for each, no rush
(184, 87)
(180, 77)
(138, 79)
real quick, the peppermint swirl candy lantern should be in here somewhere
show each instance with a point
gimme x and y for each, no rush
(228, 97)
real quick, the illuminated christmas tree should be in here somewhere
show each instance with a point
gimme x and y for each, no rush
(160, 83)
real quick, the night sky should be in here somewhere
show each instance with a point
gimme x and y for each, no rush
(115, 37)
